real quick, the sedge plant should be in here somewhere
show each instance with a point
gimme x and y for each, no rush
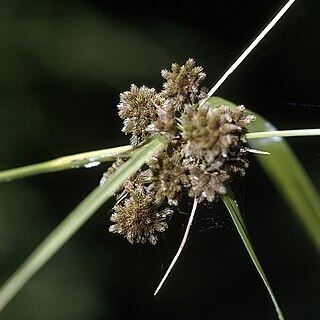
(184, 142)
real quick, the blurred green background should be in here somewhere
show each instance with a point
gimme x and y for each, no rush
(62, 67)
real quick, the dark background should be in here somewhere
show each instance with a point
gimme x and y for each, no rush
(62, 67)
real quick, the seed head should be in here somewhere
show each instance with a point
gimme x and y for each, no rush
(169, 176)
(213, 135)
(206, 185)
(139, 219)
(206, 149)
(138, 110)
(182, 84)
(166, 124)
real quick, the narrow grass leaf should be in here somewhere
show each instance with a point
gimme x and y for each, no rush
(283, 133)
(233, 208)
(286, 173)
(85, 159)
(63, 232)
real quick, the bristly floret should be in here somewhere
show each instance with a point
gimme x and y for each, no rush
(138, 109)
(206, 150)
(141, 179)
(166, 122)
(182, 84)
(214, 136)
(139, 218)
(169, 176)
(206, 185)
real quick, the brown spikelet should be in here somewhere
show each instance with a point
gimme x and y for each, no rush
(169, 176)
(139, 219)
(138, 109)
(182, 84)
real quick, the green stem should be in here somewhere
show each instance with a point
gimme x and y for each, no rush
(246, 52)
(283, 133)
(86, 159)
(63, 232)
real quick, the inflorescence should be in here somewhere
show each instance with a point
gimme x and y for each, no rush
(206, 149)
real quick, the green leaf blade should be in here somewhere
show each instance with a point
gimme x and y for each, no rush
(233, 208)
(286, 173)
(76, 218)
(75, 161)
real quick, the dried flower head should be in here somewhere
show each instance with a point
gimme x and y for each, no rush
(169, 176)
(139, 219)
(214, 135)
(182, 84)
(206, 149)
(138, 109)
(206, 185)
(166, 123)
(140, 180)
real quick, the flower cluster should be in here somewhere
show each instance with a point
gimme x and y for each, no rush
(139, 218)
(206, 149)
(138, 109)
(182, 84)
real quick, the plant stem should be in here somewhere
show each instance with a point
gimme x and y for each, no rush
(63, 232)
(86, 160)
(183, 242)
(255, 42)
(283, 133)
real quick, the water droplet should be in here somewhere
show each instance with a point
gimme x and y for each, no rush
(92, 164)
